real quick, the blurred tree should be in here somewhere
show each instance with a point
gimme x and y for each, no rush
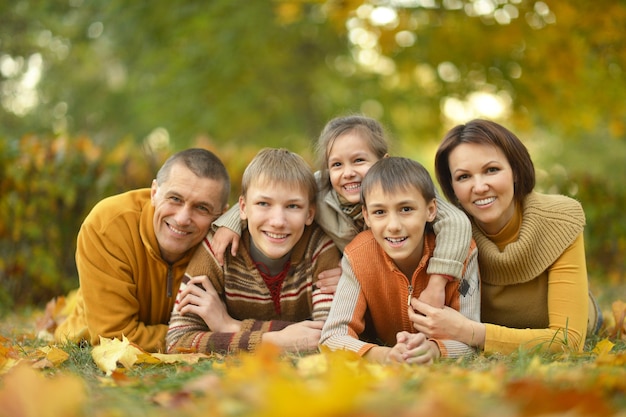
(163, 75)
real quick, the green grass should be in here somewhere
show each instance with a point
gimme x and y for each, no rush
(524, 383)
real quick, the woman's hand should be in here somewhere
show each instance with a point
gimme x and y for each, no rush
(445, 323)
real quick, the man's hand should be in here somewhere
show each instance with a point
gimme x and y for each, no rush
(200, 298)
(221, 239)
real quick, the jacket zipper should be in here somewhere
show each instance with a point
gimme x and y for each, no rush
(169, 281)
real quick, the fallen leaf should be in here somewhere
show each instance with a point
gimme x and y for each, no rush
(26, 392)
(536, 398)
(603, 347)
(55, 355)
(110, 352)
(49, 321)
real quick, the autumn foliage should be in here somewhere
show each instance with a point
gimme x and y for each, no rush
(118, 378)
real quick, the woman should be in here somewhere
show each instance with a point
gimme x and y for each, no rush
(530, 245)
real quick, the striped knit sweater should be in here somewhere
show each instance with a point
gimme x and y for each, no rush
(247, 297)
(371, 302)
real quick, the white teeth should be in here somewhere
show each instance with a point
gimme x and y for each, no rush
(485, 201)
(276, 235)
(396, 240)
(352, 186)
(178, 232)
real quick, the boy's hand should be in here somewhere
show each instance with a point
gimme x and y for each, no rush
(417, 348)
(327, 280)
(303, 336)
(200, 298)
(221, 239)
(435, 292)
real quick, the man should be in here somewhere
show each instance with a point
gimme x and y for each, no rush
(133, 249)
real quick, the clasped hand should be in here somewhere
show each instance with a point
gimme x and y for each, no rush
(200, 298)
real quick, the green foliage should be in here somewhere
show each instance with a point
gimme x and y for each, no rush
(594, 177)
(48, 185)
(238, 76)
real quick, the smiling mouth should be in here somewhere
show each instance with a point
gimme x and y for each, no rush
(353, 186)
(485, 201)
(276, 235)
(176, 231)
(395, 240)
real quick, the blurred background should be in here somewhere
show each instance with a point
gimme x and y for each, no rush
(94, 95)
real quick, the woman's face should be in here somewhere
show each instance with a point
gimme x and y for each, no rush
(349, 159)
(483, 183)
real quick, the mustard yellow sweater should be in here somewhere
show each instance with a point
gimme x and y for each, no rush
(534, 277)
(123, 279)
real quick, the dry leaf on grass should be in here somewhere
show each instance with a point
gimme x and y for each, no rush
(61, 395)
(110, 352)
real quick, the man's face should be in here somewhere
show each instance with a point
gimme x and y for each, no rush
(184, 207)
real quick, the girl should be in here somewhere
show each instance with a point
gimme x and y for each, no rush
(347, 147)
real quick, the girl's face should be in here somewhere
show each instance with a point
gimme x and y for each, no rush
(483, 182)
(349, 159)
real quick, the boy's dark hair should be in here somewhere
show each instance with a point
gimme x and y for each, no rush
(396, 173)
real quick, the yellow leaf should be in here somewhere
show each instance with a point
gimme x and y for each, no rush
(27, 393)
(603, 347)
(110, 352)
(55, 355)
(7, 363)
(619, 313)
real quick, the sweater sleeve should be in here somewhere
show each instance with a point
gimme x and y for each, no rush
(231, 219)
(109, 289)
(190, 333)
(346, 319)
(469, 306)
(454, 233)
(567, 310)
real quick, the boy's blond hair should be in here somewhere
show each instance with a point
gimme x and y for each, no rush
(279, 165)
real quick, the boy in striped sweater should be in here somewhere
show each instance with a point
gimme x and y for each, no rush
(267, 293)
(385, 266)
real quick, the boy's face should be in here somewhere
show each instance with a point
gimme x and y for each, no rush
(277, 214)
(398, 220)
